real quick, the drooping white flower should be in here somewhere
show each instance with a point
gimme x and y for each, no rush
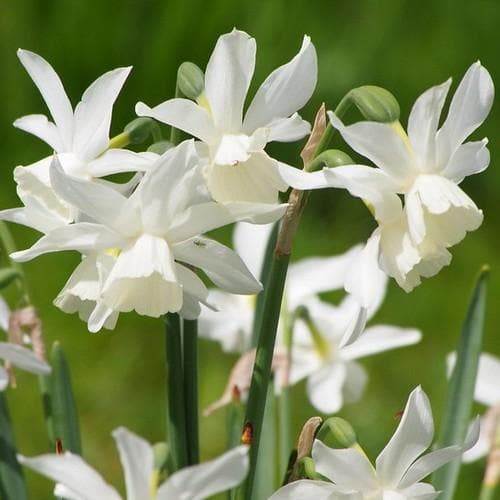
(238, 168)
(486, 392)
(76, 480)
(80, 137)
(155, 236)
(425, 166)
(16, 354)
(399, 468)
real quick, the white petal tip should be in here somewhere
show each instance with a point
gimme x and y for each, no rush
(142, 109)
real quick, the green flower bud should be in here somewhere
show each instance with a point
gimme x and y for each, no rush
(330, 158)
(160, 147)
(375, 103)
(7, 276)
(190, 80)
(336, 432)
(138, 130)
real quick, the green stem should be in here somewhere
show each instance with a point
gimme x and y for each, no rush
(271, 308)
(264, 278)
(341, 109)
(176, 419)
(263, 359)
(190, 338)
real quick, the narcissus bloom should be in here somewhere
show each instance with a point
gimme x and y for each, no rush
(399, 468)
(319, 352)
(76, 480)
(154, 236)
(80, 137)
(425, 166)
(238, 168)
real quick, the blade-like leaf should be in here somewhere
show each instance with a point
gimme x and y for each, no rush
(12, 486)
(62, 403)
(461, 387)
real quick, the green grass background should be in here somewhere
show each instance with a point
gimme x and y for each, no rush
(405, 46)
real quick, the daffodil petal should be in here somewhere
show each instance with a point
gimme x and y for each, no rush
(136, 457)
(227, 78)
(412, 437)
(286, 90)
(203, 480)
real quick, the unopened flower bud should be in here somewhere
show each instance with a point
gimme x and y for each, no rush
(375, 103)
(336, 432)
(191, 80)
(138, 130)
(160, 147)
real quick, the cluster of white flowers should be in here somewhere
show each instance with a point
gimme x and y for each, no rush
(142, 248)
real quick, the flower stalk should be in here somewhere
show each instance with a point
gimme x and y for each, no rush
(176, 415)
(272, 298)
(190, 351)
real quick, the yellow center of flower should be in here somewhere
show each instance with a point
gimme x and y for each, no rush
(112, 252)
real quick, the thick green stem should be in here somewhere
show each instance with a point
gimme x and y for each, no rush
(264, 278)
(176, 417)
(271, 308)
(190, 338)
(263, 359)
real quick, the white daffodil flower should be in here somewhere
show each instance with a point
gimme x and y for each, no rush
(486, 392)
(321, 354)
(76, 480)
(425, 166)
(16, 354)
(231, 323)
(155, 236)
(399, 468)
(80, 137)
(324, 354)
(238, 168)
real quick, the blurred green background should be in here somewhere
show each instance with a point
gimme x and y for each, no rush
(405, 46)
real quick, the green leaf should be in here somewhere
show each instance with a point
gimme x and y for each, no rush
(12, 486)
(61, 407)
(461, 387)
